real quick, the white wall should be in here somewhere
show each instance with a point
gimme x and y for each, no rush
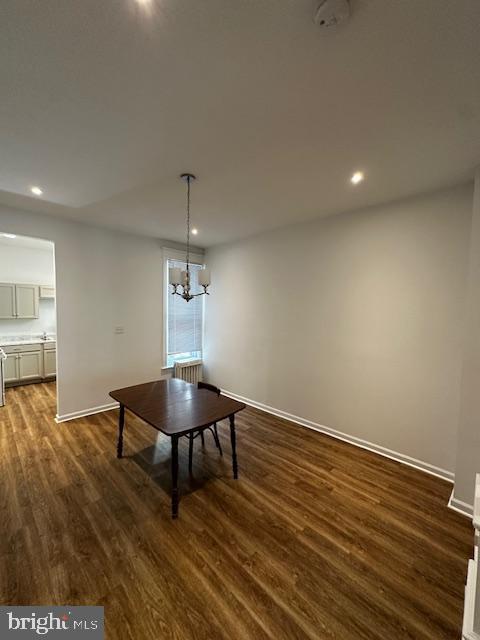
(103, 279)
(468, 451)
(23, 328)
(24, 264)
(353, 322)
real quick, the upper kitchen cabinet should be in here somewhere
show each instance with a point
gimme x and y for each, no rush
(47, 292)
(7, 301)
(18, 300)
(26, 298)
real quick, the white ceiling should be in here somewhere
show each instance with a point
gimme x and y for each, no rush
(105, 103)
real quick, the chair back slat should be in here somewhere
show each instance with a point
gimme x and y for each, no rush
(208, 387)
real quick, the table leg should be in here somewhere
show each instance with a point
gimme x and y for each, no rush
(174, 476)
(190, 452)
(121, 423)
(217, 439)
(234, 448)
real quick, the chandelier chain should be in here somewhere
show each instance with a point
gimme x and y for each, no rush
(188, 222)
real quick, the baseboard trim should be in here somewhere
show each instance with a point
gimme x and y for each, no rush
(460, 507)
(339, 435)
(86, 412)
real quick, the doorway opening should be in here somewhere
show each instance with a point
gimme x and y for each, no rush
(28, 320)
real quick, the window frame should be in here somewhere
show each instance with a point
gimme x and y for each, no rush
(176, 254)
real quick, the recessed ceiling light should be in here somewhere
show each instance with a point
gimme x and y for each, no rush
(357, 177)
(9, 235)
(36, 190)
(194, 231)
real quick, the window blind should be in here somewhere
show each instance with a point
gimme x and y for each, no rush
(185, 319)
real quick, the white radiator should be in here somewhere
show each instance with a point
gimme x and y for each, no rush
(189, 370)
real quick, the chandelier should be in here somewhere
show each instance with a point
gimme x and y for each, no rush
(177, 277)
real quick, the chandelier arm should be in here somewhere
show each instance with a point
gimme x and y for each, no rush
(186, 295)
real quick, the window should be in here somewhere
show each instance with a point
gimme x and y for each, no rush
(184, 320)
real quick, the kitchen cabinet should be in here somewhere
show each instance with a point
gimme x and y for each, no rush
(11, 368)
(7, 301)
(49, 362)
(23, 367)
(30, 365)
(30, 362)
(26, 299)
(47, 292)
(19, 300)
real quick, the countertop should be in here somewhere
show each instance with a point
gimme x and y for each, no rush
(14, 342)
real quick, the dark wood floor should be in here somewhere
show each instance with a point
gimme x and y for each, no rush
(317, 539)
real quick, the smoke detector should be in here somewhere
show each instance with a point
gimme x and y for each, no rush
(331, 13)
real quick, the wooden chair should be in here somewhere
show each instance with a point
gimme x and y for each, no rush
(212, 428)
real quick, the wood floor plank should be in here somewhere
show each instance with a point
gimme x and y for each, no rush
(317, 540)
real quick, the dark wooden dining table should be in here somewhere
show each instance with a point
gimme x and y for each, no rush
(176, 408)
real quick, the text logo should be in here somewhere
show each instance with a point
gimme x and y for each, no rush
(23, 623)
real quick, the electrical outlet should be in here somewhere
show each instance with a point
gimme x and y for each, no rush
(119, 330)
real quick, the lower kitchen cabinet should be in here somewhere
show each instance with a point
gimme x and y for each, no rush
(30, 366)
(11, 368)
(49, 363)
(30, 363)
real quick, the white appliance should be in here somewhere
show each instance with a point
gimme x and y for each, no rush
(3, 357)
